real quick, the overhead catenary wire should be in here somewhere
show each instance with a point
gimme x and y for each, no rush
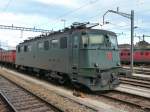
(60, 17)
(77, 9)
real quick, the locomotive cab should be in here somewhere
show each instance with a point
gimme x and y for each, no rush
(97, 59)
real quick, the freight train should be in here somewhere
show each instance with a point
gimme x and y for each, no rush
(79, 54)
(140, 56)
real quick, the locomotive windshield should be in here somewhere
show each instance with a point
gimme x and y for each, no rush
(96, 40)
(113, 41)
(92, 40)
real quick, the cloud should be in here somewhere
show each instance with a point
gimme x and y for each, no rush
(27, 20)
(46, 14)
(65, 3)
(12, 37)
(17, 19)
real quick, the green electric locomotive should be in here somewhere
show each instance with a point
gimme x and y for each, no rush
(85, 56)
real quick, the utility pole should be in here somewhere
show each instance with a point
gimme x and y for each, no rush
(21, 33)
(132, 41)
(64, 21)
(131, 17)
(145, 36)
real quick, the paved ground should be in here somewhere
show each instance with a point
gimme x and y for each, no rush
(141, 75)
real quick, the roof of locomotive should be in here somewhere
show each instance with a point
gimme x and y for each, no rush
(67, 31)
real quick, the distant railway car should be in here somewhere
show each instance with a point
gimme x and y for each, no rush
(11, 56)
(125, 56)
(0, 56)
(8, 57)
(140, 56)
(85, 56)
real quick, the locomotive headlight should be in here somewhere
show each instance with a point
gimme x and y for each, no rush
(96, 65)
(112, 73)
(118, 64)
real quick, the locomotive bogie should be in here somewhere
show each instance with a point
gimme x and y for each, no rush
(100, 81)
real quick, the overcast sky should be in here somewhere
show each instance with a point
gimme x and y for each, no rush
(47, 14)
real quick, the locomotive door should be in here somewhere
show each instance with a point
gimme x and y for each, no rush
(75, 53)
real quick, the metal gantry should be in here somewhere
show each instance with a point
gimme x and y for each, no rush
(142, 36)
(12, 27)
(64, 22)
(131, 17)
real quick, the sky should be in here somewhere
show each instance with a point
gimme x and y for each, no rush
(50, 15)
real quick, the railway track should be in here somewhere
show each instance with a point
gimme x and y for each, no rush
(65, 103)
(146, 72)
(125, 98)
(135, 82)
(22, 100)
(133, 100)
(136, 77)
(5, 106)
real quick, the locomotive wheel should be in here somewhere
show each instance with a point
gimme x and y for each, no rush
(76, 85)
(62, 80)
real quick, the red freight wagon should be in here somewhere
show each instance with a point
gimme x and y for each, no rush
(124, 55)
(142, 56)
(8, 56)
(0, 56)
(139, 56)
(11, 56)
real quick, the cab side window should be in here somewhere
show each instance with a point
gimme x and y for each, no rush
(25, 48)
(55, 43)
(29, 48)
(22, 49)
(46, 45)
(40, 45)
(18, 49)
(75, 42)
(63, 42)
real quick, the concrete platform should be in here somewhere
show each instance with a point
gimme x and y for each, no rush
(134, 90)
(100, 106)
(141, 75)
(137, 68)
